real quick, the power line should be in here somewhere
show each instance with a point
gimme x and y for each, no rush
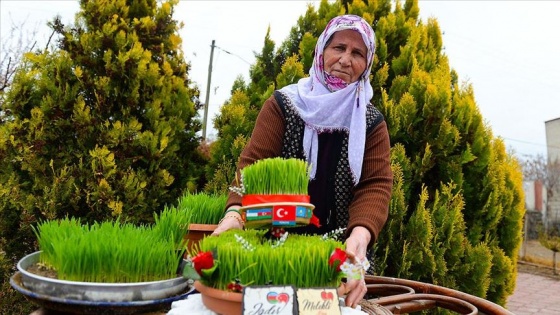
(227, 52)
(533, 143)
(526, 142)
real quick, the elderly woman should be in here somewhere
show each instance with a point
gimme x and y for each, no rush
(328, 120)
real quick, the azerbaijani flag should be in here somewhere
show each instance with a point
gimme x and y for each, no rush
(258, 214)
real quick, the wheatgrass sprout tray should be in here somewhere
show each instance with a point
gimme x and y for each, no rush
(275, 193)
(275, 176)
(249, 258)
(111, 252)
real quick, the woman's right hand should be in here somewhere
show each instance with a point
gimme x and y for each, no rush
(231, 220)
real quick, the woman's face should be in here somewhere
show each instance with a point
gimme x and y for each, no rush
(346, 55)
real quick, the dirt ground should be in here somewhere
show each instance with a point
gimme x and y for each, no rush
(536, 259)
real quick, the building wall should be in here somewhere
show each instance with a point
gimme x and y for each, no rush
(553, 154)
(535, 196)
(553, 139)
(529, 188)
(535, 204)
(539, 196)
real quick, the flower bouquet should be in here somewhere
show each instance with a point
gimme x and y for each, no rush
(274, 194)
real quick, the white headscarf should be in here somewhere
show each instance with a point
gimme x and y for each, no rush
(326, 103)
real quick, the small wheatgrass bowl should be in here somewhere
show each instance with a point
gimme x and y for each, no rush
(275, 194)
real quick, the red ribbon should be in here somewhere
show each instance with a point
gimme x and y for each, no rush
(248, 200)
(315, 221)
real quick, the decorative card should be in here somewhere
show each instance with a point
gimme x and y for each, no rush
(277, 300)
(318, 301)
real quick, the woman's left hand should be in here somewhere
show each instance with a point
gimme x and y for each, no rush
(356, 247)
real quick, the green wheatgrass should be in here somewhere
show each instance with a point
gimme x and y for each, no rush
(121, 252)
(105, 252)
(202, 208)
(301, 261)
(276, 176)
(171, 224)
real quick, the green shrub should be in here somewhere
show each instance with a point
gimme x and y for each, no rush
(11, 301)
(457, 204)
(101, 125)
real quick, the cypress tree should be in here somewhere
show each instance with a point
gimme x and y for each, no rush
(101, 126)
(457, 202)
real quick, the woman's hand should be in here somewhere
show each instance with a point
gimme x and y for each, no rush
(356, 247)
(231, 220)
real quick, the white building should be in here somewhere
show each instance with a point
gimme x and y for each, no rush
(553, 138)
(553, 155)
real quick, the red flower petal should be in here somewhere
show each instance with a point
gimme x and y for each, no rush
(338, 257)
(203, 260)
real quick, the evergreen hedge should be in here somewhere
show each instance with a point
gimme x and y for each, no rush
(457, 202)
(101, 125)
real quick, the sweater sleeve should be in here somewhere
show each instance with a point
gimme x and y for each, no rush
(370, 206)
(265, 141)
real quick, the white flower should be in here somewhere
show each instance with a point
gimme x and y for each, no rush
(355, 271)
(334, 234)
(244, 243)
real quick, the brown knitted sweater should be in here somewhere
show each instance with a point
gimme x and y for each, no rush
(370, 203)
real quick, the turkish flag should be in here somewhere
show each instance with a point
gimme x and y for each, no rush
(284, 213)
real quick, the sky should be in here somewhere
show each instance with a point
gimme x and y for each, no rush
(507, 50)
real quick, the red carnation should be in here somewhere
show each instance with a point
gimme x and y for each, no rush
(235, 287)
(203, 260)
(338, 257)
(277, 232)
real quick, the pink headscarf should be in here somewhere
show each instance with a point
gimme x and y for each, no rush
(326, 103)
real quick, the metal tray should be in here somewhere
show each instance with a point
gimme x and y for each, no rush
(95, 307)
(96, 291)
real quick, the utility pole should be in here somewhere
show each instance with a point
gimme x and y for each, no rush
(206, 103)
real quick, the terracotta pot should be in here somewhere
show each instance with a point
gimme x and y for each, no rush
(227, 302)
(197, 232)
(221, 302)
